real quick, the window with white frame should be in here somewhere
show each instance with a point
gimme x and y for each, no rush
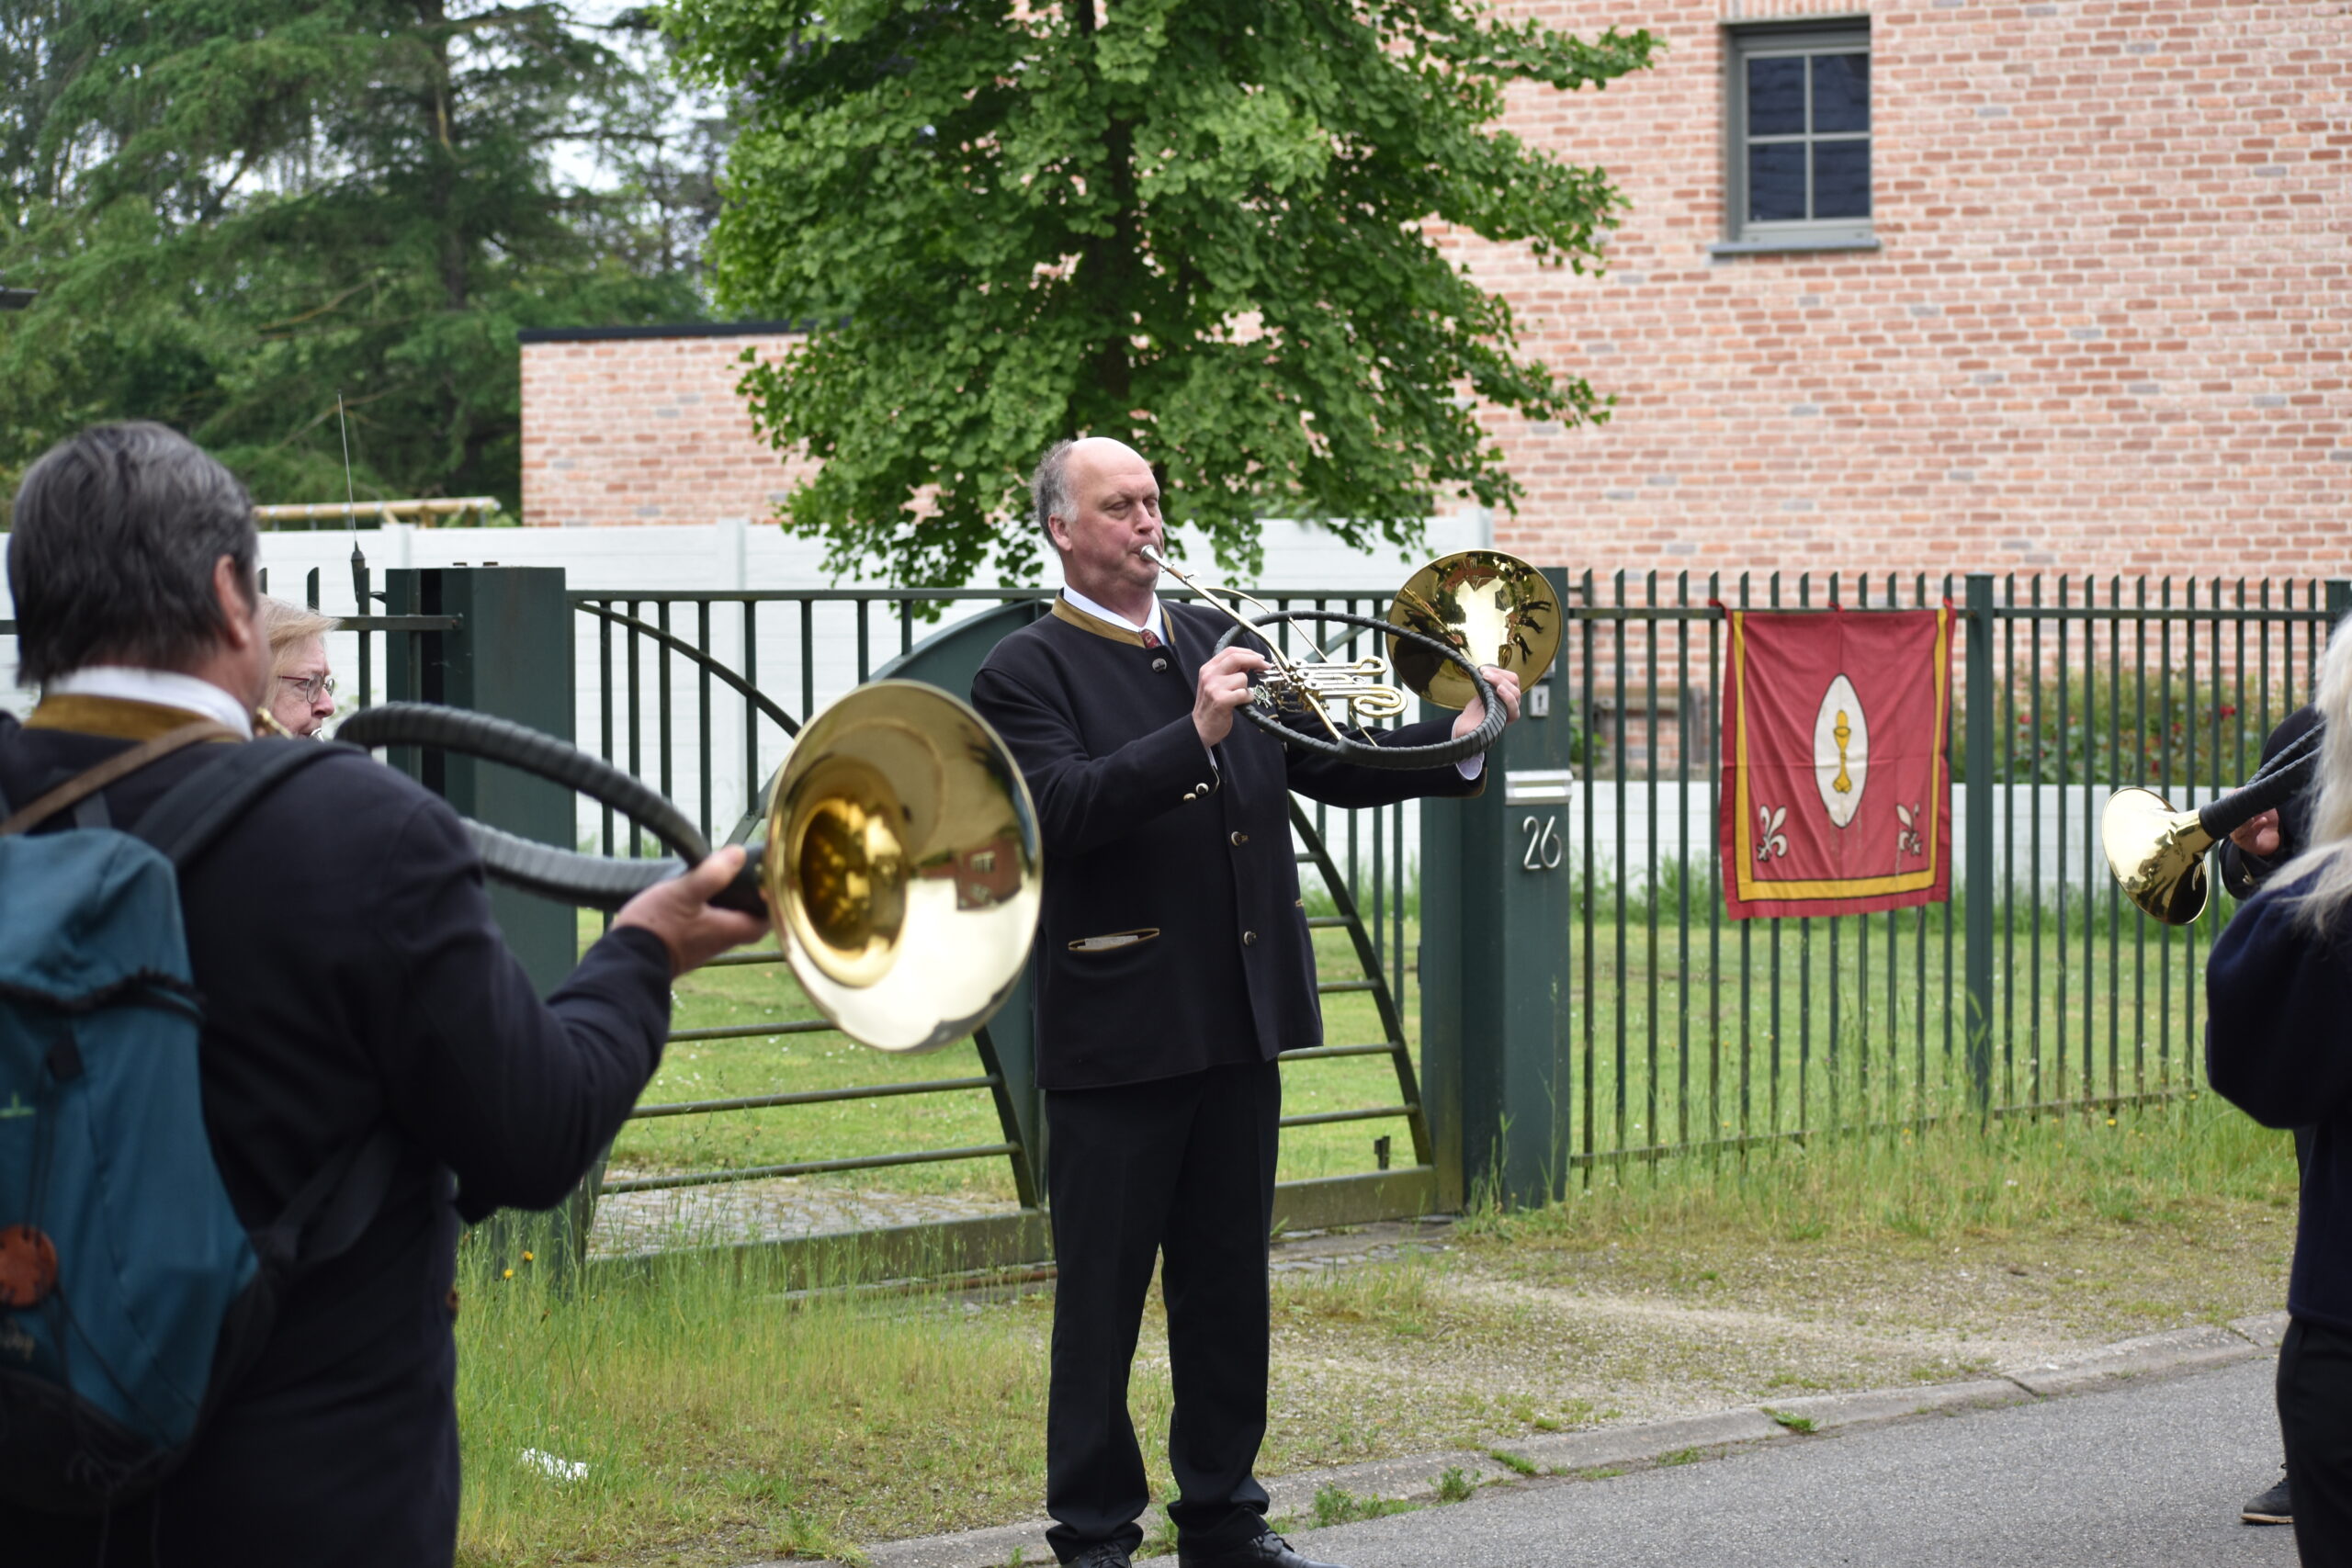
(1799, 123)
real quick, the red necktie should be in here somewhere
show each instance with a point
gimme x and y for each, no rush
(1150, 639)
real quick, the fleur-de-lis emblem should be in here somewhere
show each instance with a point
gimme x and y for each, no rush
(1907, 840)
(1768, 819)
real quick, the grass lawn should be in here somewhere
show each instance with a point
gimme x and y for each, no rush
(746, 995)
(1782, 1027)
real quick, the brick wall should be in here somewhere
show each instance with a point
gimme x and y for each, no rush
(2106, 328)
(622, 427)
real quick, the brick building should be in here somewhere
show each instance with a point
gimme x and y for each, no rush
(1951, 284)
(641, 425)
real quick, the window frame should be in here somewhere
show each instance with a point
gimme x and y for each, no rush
(1745, 41)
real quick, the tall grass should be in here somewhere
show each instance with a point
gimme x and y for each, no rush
(1958, 1174)
(717, 1415)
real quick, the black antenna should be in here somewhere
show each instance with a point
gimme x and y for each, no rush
(351, 512)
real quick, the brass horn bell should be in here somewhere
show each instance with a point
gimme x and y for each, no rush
(1495, 607)
(2157, 853)
(903, 866)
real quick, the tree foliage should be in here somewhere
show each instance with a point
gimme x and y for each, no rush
(1199, 225)
(233, 210)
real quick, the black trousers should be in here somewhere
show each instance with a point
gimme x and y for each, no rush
(1182, 1168)
(2315, 1413)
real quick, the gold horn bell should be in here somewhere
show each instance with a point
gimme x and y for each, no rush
(1495, 608)
(902, 866)
(2157, 853)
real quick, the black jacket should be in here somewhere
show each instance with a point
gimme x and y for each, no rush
(2243, 873)
(351, 973)
(2276, 996)
(1183, 864)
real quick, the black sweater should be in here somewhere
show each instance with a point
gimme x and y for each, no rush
(351, 973)
(2277, 995)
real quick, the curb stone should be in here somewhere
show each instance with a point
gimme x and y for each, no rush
(1415, 1479)
(2178, 1350)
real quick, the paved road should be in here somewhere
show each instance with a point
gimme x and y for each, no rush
(2149, 1473)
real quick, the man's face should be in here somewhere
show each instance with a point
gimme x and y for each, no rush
(303, 697)
(1116, 503)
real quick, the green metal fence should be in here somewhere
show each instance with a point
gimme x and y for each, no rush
(2038, 987)
(700, 694)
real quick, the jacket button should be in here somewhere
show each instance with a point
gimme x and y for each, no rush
(1249, 939)
(1237, 839)
(1159, 665)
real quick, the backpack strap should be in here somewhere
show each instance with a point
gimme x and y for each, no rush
(196, 810)
(342, 1197)
(120, 765)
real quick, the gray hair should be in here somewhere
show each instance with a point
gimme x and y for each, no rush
(116, 534)
(1049, 486)
(2320, 878)
(290, 626)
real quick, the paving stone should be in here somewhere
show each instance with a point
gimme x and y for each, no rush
(779, 1208)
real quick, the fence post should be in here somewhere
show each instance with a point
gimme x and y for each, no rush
(1496, 901)
(1977, 875)
(510, 657)
(2339, 603)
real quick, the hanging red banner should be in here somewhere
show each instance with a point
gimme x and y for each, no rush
(1836, 792)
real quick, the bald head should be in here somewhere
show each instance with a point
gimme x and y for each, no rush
(1099, 505)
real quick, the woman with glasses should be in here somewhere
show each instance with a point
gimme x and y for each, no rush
(302, 697)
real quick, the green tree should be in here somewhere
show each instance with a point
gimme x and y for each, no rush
(234, 209)
(1198, 225)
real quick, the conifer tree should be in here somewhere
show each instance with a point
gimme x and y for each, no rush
(233, 210)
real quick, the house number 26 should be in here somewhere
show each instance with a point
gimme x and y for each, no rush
(1543, 843)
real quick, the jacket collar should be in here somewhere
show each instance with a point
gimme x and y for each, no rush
(114, 718)
(152, 688)
(1087, 615)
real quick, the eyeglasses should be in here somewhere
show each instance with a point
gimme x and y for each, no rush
(310, 685)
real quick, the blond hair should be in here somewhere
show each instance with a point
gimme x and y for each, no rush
(288, 626)
(2320, 878)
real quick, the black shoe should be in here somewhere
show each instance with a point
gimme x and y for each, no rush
(2270, 1508)
(1101, 1554)
(1269, 1550)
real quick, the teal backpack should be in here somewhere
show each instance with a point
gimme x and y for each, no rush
(131, 1294)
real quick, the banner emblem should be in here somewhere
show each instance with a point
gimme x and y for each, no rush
(1841, 751)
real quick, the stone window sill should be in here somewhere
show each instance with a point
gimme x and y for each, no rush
(1792, 245)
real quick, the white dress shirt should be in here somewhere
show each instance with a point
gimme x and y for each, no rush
(165, 688)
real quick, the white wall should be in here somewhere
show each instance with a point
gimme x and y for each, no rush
(729, 555)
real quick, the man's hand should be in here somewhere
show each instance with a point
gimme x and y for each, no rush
(2259, 838)
(1224, 685)
(1505, 685)
(680, 912)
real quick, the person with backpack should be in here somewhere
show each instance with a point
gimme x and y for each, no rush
(262, 1055)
